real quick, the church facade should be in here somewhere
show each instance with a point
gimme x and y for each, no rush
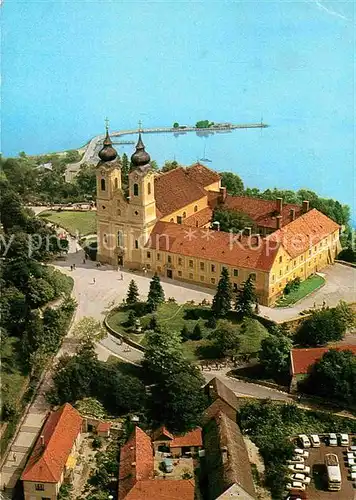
(162, 225)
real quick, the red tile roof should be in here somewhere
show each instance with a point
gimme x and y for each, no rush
(199, 219)
(262, 212)
(159, 489)
(303, 359)
(162, 431)
(192, 438)
(175, 189)
(103, 426)
(216, 246)
(136, 461)
(202, 175)
(60, 431)
(300, 235)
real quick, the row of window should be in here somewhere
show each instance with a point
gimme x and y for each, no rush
(295, 263)
(310, 252)
(116, 184)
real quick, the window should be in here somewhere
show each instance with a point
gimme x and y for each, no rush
(213, 281)
(190, 263)
(120, 238)
(148, 266)
(287, 268)
(309, 252)
(172, 220)
(179, 219)
(180, 261)
(135, 189)
(320, 245)
(136, 212)
(315, 248)
(272, 289)
(235, 287)
(301, 258)
(39, 487)
(280, 259)
(280, 272)
(136, 243)
(201, 278)
(103, 207)
(196, 208)
(213, 268)
(294, 263)
(149, 188)
(253, 276)
(159, 269)
(105, 238)
(184, 215)
(116, 182)
(190, 276)
(148, 255)
(118, 212)
(273, 277)
(236, 272)
(179, 273)
(202, 266)
(169, 259)
(102, 185)
(158, 256)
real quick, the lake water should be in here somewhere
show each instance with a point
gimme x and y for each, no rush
(67, 65)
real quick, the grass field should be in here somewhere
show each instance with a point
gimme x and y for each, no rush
(175, 316)
(73, 221)
(305, 288)
(13, 380)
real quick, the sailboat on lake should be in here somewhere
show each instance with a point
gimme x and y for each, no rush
(204, 156)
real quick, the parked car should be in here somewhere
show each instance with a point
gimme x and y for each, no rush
(351, 448)
(299, 468)
(168, 465)
(295, 485)
(353, 468)
(351, 454)
(344, 440)
(301, 477)
(315, 441)
(332, 439)
(351, 461)
(304, 440)
(301, 452)
(296, 460)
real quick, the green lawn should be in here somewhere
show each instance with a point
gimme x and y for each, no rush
(13, 379)
(305, 288)
(175, 316)
(73, 221)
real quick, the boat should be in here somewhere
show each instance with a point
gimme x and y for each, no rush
(204, 157)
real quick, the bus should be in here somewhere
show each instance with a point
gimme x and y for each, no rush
(333, 472)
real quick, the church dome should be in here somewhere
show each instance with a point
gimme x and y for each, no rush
(140, 156)
(107, 152)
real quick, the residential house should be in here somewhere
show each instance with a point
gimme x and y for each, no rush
(221, 398)
(189, 443)
(54, 454)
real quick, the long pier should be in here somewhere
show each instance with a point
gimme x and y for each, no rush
(89, 153)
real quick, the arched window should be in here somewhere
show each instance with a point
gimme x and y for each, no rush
(116, 183)
(120, 239)
(135, 189)
(102, 184)
(149, 188)
(172, 220)
(184, 215)
(105, 238)
(196, 208)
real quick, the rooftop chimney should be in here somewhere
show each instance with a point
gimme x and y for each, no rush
(222, 196)
(42, 441)
(292, 214)
(279, 205)
(248, 231)
(305, 206)
(279, 221)
(224, 454)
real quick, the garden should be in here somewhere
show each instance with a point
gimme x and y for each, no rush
(73, 221)
(297, 290)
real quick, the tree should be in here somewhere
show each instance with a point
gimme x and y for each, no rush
(334, 377)
(274, 355)
(348, 254)
(326, 325)
(89, 329)
(222, 300)
(85, 181)
(196, 333)
(185, 334)
(175, 125)
(131, 319)
(156, 293)
(232, 220)
(170, 165)
(39, 292)
(226, 339)
(246, 298)
(233, 183)
(163, 353)
(132, 294)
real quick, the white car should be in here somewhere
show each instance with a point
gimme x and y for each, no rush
(351, 454)
(303, 438)
(351, 461)
(299, 468)
(351, 448)
(353, 476)
(301, 478)
(352, 468)
(296, 460)
(332, 439)
(344, 440)
(315, 440)
(301, 452)
(295, 485)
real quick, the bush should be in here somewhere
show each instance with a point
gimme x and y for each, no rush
(291, 286)
(97, 443)
(196, 333)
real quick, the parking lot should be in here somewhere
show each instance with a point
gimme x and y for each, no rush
(318, 488)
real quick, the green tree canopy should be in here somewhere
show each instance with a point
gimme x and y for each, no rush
(232, 220)
(156, 293)
(170, 165)
(274, 355)
(132, 293)
(226, 339)
(233, 183)
(222, 300)
(246, 298)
